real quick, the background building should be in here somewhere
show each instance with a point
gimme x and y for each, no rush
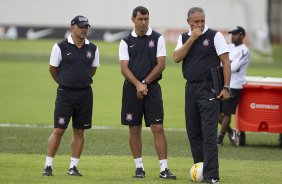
(34, 19)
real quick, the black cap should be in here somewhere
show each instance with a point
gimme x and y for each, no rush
(238, 30)
(80, 21)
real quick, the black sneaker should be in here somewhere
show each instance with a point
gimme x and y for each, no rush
(216, 181)
(166, 174)
(74, 172)
(139, 173)
(219, 141)
(233, 138)
(47, 171)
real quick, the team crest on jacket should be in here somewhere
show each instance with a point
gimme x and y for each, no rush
(151, 44)
(206, 42)
(89, 55)
(61, 120)
(129, 117)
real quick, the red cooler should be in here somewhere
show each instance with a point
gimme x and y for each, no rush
(260, 107)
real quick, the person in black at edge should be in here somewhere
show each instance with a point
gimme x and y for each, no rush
(73, 63)
(201, 49)
(142, 55)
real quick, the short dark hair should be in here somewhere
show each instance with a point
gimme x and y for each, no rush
(193, 10)
(141, 9)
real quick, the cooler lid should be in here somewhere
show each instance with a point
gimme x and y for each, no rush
(272, 81)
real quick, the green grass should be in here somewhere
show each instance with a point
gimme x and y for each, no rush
(26, 169)
(28, 91)
(115, 142)
(27, 95)
(106, 158)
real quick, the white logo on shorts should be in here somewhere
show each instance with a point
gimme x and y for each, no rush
(61, 120)
(129, 117)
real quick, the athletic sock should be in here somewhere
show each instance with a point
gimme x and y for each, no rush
(163, 164)
(139, 162)
(49, 161)
(74, 162)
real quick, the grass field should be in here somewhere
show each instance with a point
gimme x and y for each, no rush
(118, 170)
(28, 91)
(27, 94)
(106, 158)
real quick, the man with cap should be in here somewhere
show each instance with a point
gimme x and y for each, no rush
(239, 57)
(73, 63)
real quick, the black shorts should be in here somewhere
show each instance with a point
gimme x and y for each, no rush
(229, 107)
(76, 104)
(151, 106)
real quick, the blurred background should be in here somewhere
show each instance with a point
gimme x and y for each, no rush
(35, 19)
(29, 28)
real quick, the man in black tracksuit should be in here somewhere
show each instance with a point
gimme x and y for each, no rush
(201, 49)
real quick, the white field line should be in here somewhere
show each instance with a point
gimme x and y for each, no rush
(93, 127)
(102, 127)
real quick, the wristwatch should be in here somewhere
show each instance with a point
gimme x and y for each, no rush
(227, 88)
(144, 82)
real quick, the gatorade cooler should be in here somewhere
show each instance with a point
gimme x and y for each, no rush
(260, 107)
